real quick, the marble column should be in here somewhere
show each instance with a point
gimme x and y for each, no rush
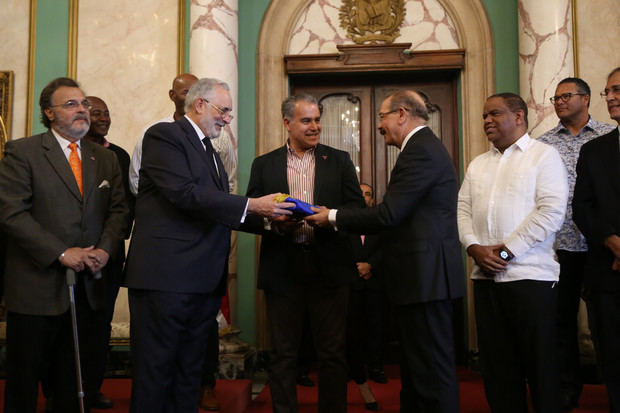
(213, 52)
(545, 56)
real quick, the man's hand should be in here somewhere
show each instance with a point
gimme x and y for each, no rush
(613, 243)
(286, 224)
(267, 207)
(76, 258)
(364, 270)
(320, 218)
(487, 257)
(616, 265)
(98, 259)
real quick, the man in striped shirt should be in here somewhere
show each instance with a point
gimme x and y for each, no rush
(305, 269)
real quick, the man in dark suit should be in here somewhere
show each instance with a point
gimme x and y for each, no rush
(596, 211)
(177, 261)
(301, 269)
(61, 206)
(424, 271)
(99, 126)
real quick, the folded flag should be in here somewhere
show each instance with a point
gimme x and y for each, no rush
(300, 209)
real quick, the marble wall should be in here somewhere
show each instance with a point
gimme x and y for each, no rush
(127, 55)
(545, 57)
(14, 32)
(426, 26)
(597, 35)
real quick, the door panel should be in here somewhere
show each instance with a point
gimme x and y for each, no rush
(373, 158)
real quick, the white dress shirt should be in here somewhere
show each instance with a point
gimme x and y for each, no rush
(517, 198)
(64, 144)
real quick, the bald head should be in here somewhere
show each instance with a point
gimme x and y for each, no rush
(180, 86)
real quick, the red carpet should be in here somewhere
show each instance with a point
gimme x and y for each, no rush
(234, 396)
(593, 400)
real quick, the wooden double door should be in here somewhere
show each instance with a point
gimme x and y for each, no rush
(350, 105)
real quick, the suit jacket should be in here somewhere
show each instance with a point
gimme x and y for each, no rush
(43, 214)
(372, 253)
(596, 206)
(184, 213)
(335, 185)
(422, 255)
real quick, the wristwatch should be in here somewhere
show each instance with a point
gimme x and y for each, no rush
(505, 255)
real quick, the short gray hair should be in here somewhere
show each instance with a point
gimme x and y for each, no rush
(409, 100)
(288, 105)
(203, 88)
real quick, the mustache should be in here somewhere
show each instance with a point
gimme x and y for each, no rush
(220, 124)
(81, 117)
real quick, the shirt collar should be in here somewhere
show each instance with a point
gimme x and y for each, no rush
(409, 135)
(522, 143)
(290, 150)
(589, 125)
(64, 142)
(199, 132)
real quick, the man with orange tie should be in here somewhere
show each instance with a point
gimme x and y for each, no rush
(62, 205)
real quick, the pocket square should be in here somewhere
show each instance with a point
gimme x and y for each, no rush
(104, 184)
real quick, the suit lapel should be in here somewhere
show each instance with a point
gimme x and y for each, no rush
(280, 168)
(89, 168)
(194, 140)
(58, 160)
(320, 170)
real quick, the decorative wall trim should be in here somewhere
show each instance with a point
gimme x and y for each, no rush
(573, 6)
(31, 60)
(72, 40)
(6, 107)
(181, 41)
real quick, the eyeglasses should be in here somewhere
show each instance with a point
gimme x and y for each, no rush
(74, 104)
(615, 90)
(384, 114)
(564, 97)
(225, 113)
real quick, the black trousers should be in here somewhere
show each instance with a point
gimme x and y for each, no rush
(365, 332)
(572, 268)
(428, 370)
(327, 310)
(168, 340)
(40, 348)
(212, 357)
(517, 341)
(604, 319)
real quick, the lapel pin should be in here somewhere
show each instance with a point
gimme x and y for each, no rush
(324, 157)
(92, 158)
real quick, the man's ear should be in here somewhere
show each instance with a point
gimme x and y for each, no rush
(171, 94)
(287, 124)
(49, 113)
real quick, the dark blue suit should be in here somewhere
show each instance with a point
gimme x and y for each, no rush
(176, 264)
(596, 211)
(424, 270)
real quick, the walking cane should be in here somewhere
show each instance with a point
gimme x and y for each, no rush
(76, 343)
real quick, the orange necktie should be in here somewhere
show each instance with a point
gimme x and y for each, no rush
(76, 165)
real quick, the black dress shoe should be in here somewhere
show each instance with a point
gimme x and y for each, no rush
(100, 401)
(377, 376)
(304, 380)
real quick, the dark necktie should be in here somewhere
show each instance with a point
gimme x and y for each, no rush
(211, 153)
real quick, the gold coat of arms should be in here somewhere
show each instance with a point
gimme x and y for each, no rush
(372, 20)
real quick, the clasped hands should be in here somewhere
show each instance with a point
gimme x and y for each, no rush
(78, 259)
(613, 244)
(487, 257)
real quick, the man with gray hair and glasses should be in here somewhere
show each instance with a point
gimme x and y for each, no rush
(596, 211)
(177, 261)
(576, 127)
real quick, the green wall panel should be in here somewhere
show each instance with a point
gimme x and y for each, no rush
(51, 50)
